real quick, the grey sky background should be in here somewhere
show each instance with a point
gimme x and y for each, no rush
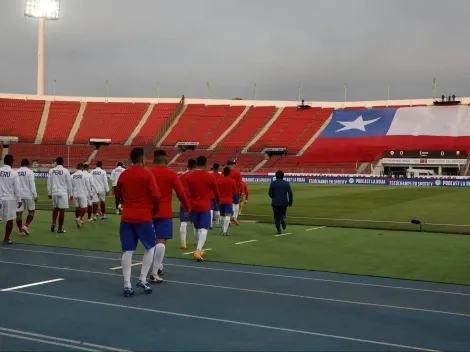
(278, 43)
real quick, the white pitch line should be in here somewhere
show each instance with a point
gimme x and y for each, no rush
(120, 267)
(233, 322)
(59, 339)
(281, 294)
(29, 285)
(205, 250)
(283, 234)
(244, 272)
(246, 242)
(315, 228)
(69, 347)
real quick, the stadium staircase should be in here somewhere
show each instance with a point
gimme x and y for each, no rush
(172, 126)
(139, 126)
(76, 123)
(191, 116)
(317, 128)
(61, 117)
(43, 123)
(266, 126)
(227, 130)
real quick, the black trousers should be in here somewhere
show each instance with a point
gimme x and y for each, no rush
(279, 215)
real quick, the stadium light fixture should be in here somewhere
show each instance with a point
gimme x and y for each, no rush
(42, 10)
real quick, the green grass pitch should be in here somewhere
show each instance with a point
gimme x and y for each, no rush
(336, 228)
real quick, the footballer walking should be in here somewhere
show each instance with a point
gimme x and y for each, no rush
(227, 189)
(81, 189)
(28, 196)
(114, 179)
(59, 189)
(100, 183)
(9, 196)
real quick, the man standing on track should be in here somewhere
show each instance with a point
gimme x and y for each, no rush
(167, 181)
(200, 183)
(114, 179)
(9, 196)
(184, 219)
(28, 195)
(59, 189)
(81, 189)
(227, 189)
(281, 196)
(237, 177)
(89, 199)
(100, 181)
(243, 196)
(139, 190)
(214, 206)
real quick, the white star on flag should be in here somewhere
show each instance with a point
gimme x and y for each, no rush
(357, 124)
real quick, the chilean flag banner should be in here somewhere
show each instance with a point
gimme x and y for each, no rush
(362, 135)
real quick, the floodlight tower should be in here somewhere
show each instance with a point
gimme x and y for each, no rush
(42, 10)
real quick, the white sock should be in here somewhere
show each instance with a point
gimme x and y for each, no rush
(183, 228)
(236, 208)
(196, 235)
(202, 239)
(226, 223)
(126, 263)
(158, 257)
(212, 216)
(146, 264)
(217, 217)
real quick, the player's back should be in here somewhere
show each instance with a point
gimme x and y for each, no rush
(227, 189)
(200, 184)
(236, 175)
(138, 188)
(59, 181)
(99, 179)
(79, 184)
(27, 185)
(115, 174)
(9, 183)
(184, 182)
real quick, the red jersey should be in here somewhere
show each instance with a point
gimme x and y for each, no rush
(244, 190)
(237, 177)
(183, 179)
(200, 183)
(140, 192)
(227, 189)
(167, 181)
(216, 175)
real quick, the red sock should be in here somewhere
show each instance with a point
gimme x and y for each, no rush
(95, 208)
(89, 211)
(77, 212)
(82, 213)
(19, 223)
(8, 229)
(29, 220)
(61, 218)
(103, 208)
(55, 213)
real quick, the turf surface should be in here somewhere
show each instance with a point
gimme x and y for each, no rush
(400, 254)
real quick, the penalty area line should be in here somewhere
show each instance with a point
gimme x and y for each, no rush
(30, 285)
(120, 267)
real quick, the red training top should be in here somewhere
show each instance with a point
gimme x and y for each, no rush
(183, 179)
(237, 177)
(216, 175)
(244, 190)
(227, 189)
(140, 192)
(167, 181)
(200, 183)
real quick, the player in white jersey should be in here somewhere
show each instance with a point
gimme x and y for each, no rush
(86, 167)
(59, 189)
(101, 185)
(81, 189)
(28, 195)
(9, 196)
(114, 179)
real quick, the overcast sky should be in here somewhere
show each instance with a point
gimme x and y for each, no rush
(233, 43)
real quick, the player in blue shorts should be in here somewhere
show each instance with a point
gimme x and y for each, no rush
(140, 192)
(227, 188)
(167, 181)
(184, 219)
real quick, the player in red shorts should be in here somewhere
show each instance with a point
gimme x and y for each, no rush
(214, 207)
(200, 183)
(139, 190)
(167, 181)
(227, 189)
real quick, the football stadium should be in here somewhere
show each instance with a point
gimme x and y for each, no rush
(374, 253)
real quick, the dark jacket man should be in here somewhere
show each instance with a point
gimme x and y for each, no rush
(281, 196)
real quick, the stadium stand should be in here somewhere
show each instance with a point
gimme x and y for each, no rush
(159, 115)
(20, 118)
(209, 118)
(221, 126)
(311, 130)
(62, 115)
(187, 119)
(109, 120)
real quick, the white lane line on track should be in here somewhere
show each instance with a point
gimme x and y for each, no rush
(30, 285)
(120, 267)
(258, 273)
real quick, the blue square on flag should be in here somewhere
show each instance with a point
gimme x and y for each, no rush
(359, 123)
